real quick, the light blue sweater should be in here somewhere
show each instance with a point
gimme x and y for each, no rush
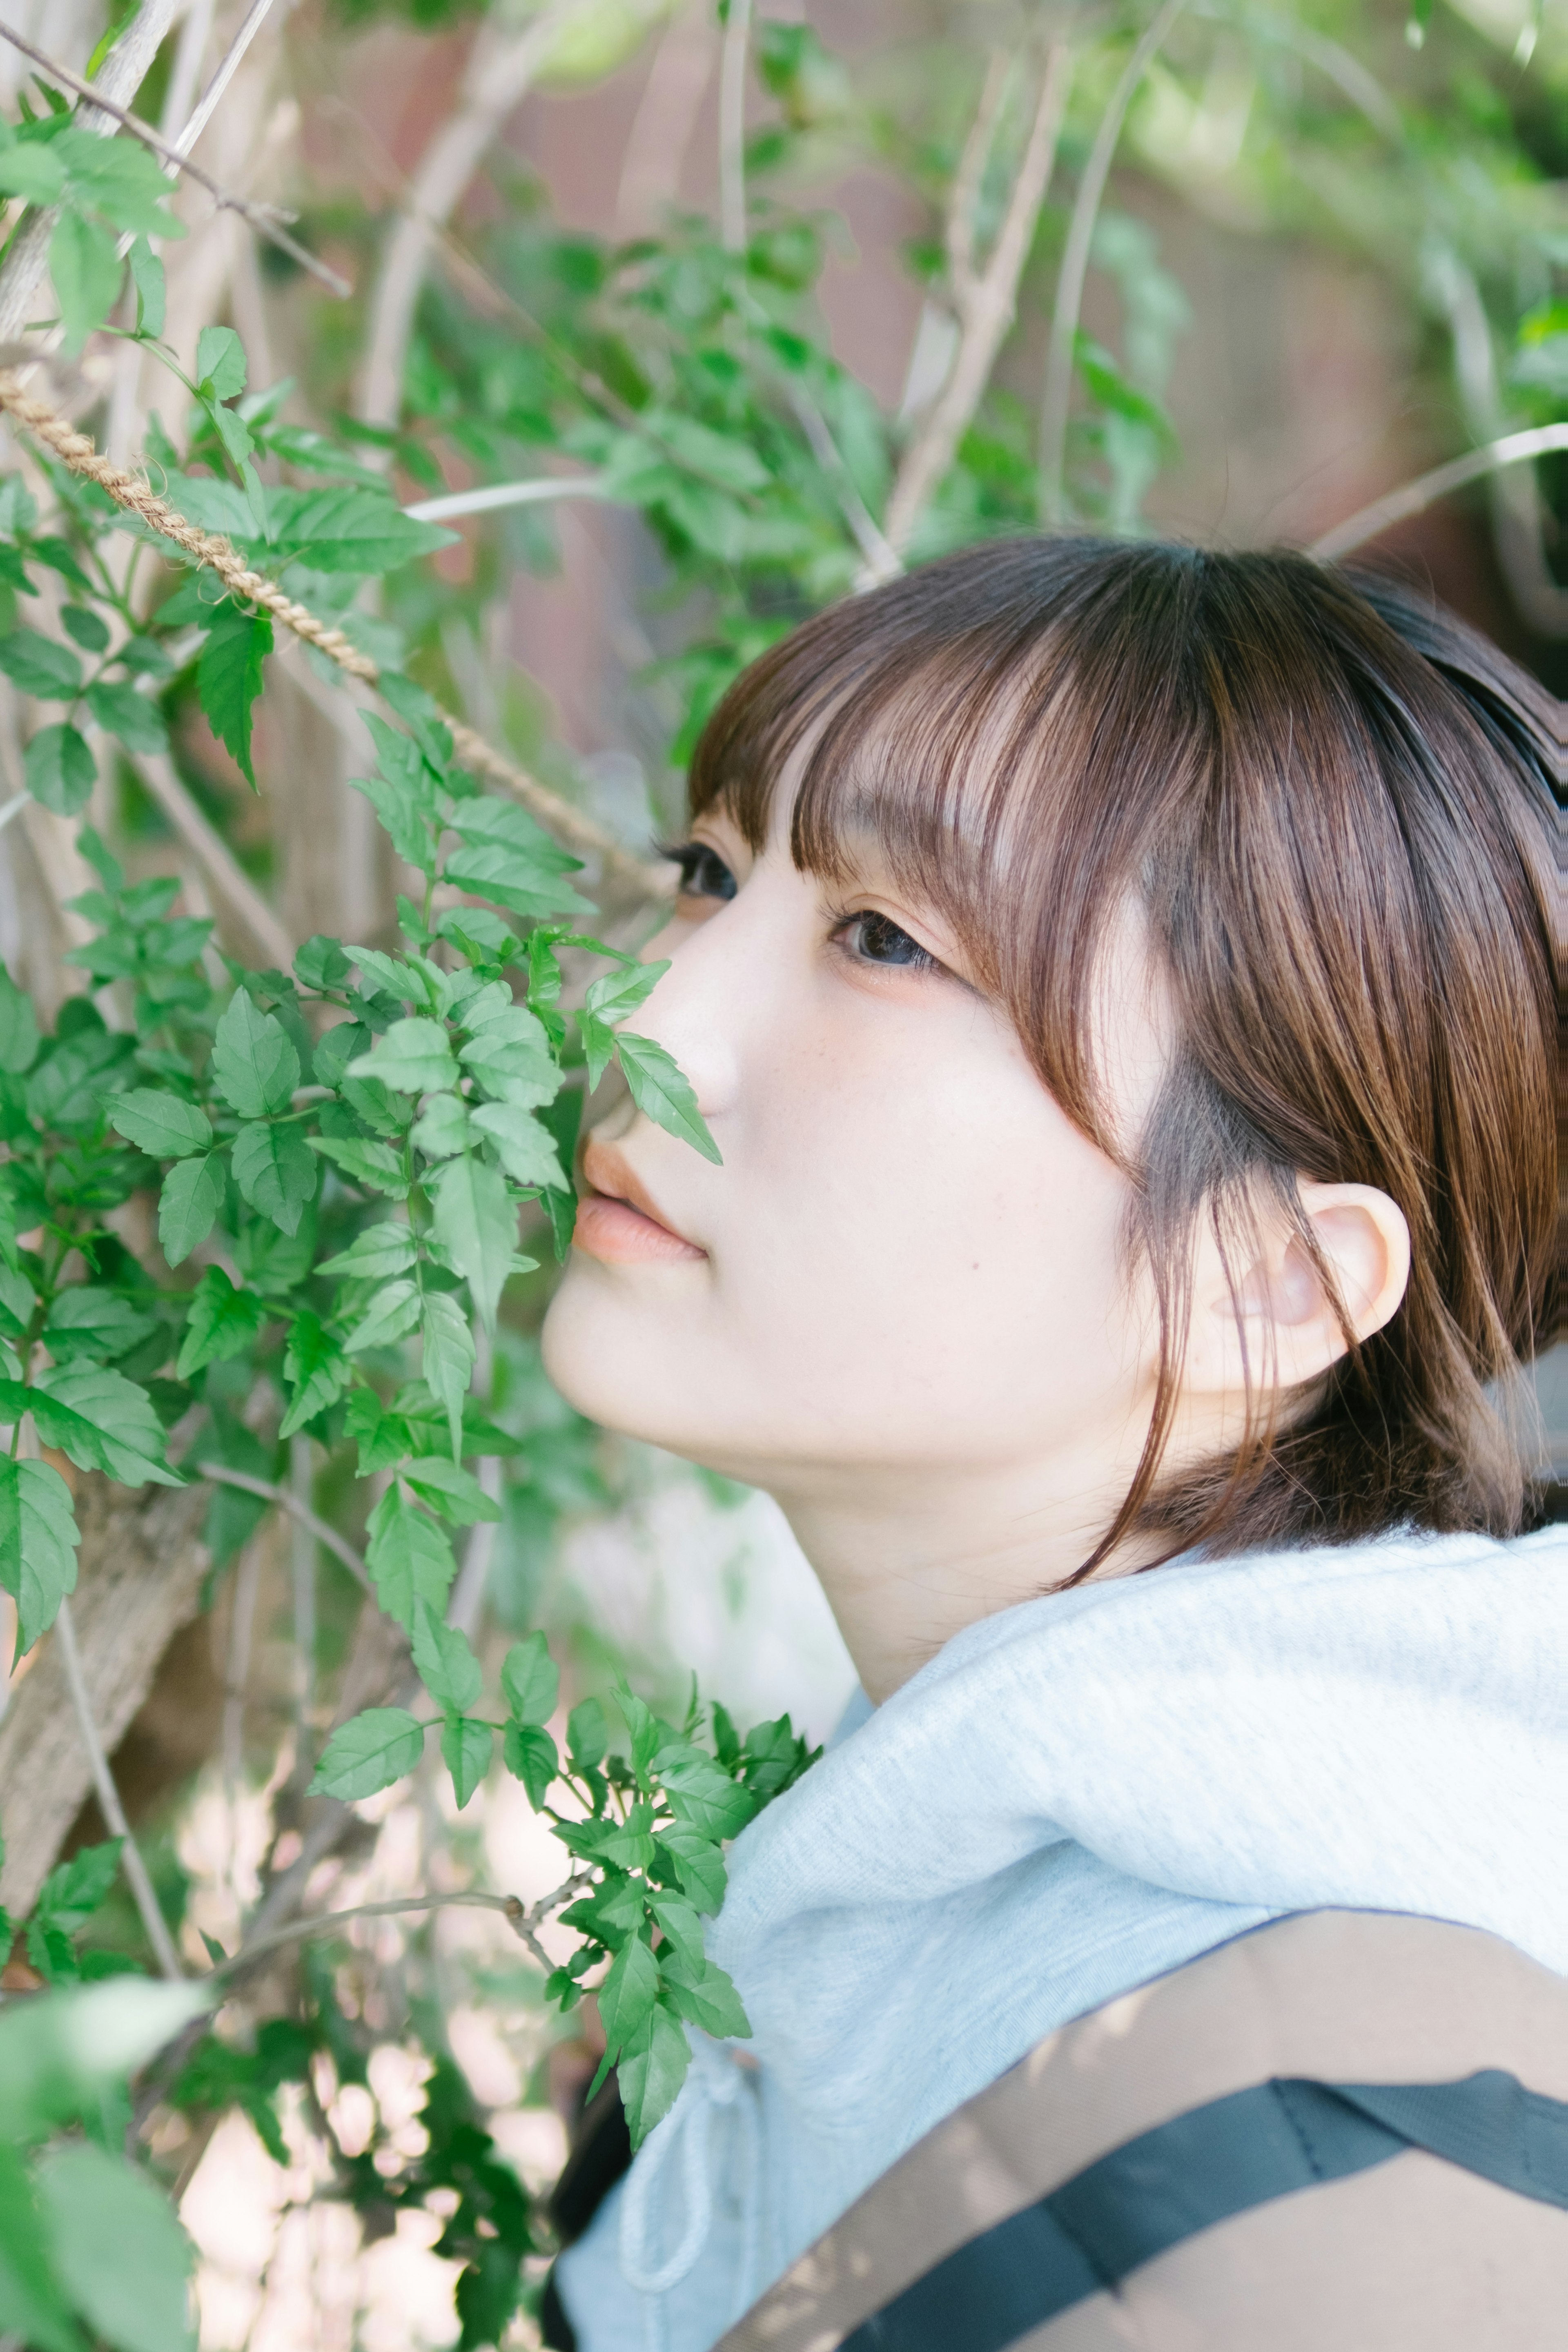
(1072, 1797)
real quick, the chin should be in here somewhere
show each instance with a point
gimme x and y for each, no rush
(608, 1356)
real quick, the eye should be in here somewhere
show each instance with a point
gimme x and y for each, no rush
(703, 873)
(876, 938)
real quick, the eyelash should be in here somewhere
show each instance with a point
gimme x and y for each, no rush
(704, 875)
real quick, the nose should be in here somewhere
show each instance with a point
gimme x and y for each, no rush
(702, 1008)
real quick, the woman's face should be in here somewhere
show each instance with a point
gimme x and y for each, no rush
(908, 1267)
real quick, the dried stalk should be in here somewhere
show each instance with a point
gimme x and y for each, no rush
(521, 1919)
(219, 1475)
(732, 127)
(985, 299)
(1058, 396)
(1412, 498)
(113, 1811)
(247, 909)
(223, 74)
(264, 218)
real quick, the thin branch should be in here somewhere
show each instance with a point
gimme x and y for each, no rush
(1058, 396)
(963, 202)
(521, 1919)
(542, 489)
(229, 881)
(881, 560)
(113, 1811)
(223, 74)
(732, 127)
(265, 219)
(1412, 498)
(987, 301)
(286, 1501)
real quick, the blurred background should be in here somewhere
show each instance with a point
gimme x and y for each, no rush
(685, 320)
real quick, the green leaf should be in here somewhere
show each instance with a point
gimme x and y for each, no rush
(120, 179)
(222, 1322)
(705, 1997)
(443, 1130)
(616, 994)
(316, 1369)
(31, 2309)
(228, 679)
(598, 1046)
(530, 1756)
(354, 531)
(413, 1057)
(376, 1167)
(188, 1206)
(444, 1663)
(421, 714)
(220, 363)
(682, 1924)
(320, 963)
(30, 169)
(86, 271)
(152, 292)
(476, 1224)
(383, 1249)
(38, 1545)
(103, 1422)
(525, 1149)
(18, 1027)
(662, 1093)
(118, 2247)
(74, 1890)
(253, 1065)
(466, 1747)
(60, 769)
(628, 1992)
(369, 1753)
(516, 1068)
(161, 1124)
(40, 665)
(532, 1680)
(275, 1172)
(85, 628)
(701, 1792)
(588, 1734)
(391, 1315)
(450, 1357)
(650, 2072)
(449, 1489)
(408, 1557)
(135, 718)
(88, 1321)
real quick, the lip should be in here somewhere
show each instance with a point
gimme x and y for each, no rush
(618, 1222)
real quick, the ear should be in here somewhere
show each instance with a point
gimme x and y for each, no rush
(1287, 1319)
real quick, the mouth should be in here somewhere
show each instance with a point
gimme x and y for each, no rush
(616, 1221)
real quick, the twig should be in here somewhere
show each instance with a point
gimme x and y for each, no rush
(302, 1560)
(223, 74)
(1068, 306)
(732, 127)
(1369, 522)
(521, 1919)
(286, 1501)
(248, 586)
(264, 218)
(881, 560)
(113, 1811)
(229, 881)
(536, 492)
(985, 299)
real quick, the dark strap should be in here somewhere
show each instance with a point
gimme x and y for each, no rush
(1215, 2161)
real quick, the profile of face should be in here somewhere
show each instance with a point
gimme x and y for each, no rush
(904, 1298)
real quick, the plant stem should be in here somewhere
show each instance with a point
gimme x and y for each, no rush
(221, 1475)
(1412, 498)
(732, 127)
(152, 1919)
(519, 1917)
(1058, 396)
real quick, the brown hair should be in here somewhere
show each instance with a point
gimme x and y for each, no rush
(1334, 807)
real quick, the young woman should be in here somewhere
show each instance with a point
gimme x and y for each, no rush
(1120, 981)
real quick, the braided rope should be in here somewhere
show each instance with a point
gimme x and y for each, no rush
(210, 549)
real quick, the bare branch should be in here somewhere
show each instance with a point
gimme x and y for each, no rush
(287, 1500)
(881, 560)
(523, 1919)
(223, 74)
(1412, 498)
(987, 300)
(265, 219)
(963, 203)
(249, 910)
(732, 127)
(539, 491)
(1068, 306)
(113, 1811)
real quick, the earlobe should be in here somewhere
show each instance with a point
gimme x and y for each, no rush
(1280, 1323)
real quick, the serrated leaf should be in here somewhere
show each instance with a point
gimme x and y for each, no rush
(465, 1745)
(514, 1069)
(228, 679)
(357, 530)
(275, 1172)
(38, 1537)
(133, 717)
(444, 1663)
(528, 1754)
(532, 1680)
(151, 292)
(188, 1206)
(373, 1166)
(60, 769)
(450, 1358)
(86, 271)
(29, 169)
(91, 1322)
(316, 1369)
(449, 1489)
(598, 1042)
(705, 1997)
(588, 1734)
(18, 1027)
(698, 1863)
(115, 2237)
(321, 963)
(393, 1314)
(413, 1057)
(681, 1924)
(103, 1421)
(379, 1251)
(74, 1890)
(222, 1322)
(663, 1093)
(159, 1124)
(421, 714)
(254, 1067)
(525, 1149)
(701, 1792)
(628, 1992)
(442, 1129)
(616, 995)
(650, 2072)
(491, 871)
(40, 665)
(475, 1226)
(369, 1753)
(387, 975)
(220, 363)
(408, 1557)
